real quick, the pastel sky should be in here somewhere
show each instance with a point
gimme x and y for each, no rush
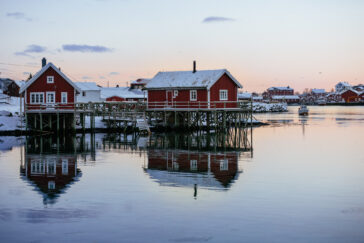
(303, 44)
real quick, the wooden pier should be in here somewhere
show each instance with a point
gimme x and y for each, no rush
(140, 115)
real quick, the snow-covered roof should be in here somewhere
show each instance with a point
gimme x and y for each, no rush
(45, 68)
(124, 92)
(285, 97)
(87, 86)
(257, 97)
(318, 91)
(343, 84)
(188, 79)
(349, 89)
(280, 88)
(19, 83)
(244, 95)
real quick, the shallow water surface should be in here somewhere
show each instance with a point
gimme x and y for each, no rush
(298, 179)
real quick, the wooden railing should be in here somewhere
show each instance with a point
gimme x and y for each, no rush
(134, 106)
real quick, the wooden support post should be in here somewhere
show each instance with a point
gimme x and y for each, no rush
(74, 122)
(50, 121)
(57, 122)
(41, 122)
(175, 118)
(64, 123)
(26, 122)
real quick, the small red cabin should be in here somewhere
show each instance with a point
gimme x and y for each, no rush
(193, 89)
(49, 89)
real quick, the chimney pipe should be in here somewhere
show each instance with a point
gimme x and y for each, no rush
(194, 66)
(44, 62)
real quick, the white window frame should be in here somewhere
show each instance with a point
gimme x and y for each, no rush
(51, 185)
(64, 94)
(193, 164)
(64, 166)
(34, 95)
(51, 164)
(193, 95)
(175, 93)
(54, 97)
(223, 94)
(50, 79)
(224, 165)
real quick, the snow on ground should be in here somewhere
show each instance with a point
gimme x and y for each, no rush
(7, 143)
(271, 107)
(11, 104)
(9, 115)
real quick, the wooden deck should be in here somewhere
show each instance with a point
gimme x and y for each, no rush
(171, 115)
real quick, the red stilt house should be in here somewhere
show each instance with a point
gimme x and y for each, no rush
(193, 89)
(49, 89)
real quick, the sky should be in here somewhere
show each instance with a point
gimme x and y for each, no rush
(296, 43)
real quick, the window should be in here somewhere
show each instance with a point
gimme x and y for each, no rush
(51, 97)
(51, 185)
(37, 167)
(175, 166)
(224, 164)
(50, 79)
(223, 94)
(64, 97)
(175, 93)
(193, 164)
(193, 95)
(83, 93)
(64, 166)
(51, 167)
(36, 97)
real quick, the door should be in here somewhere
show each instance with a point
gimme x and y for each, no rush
(169, 98)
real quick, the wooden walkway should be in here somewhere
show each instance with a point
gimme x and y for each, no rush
(140, 115)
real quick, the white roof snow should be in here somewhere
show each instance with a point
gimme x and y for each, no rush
(345, 90)
(19, 83)
(285, 97)
(87, 86)
(45, 68)
(188, 79)
(124, 92)
(244, 95)
(318, 91)
(280, 88)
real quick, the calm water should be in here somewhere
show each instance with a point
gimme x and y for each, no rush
(296, 180)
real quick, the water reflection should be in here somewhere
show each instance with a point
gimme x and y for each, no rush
(201, 160)
(197, 160)
(50, 164)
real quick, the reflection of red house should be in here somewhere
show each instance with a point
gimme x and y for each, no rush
(51, 173)
(49, 88)
(221, 167)
(193, 89)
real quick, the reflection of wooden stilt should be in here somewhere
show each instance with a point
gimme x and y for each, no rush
(41, 122)
(57, 122)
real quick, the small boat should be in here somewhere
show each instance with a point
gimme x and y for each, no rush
(303, 110)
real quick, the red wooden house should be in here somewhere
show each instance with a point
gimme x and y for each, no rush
(349, 95)
(193, 89)
(49, 89)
